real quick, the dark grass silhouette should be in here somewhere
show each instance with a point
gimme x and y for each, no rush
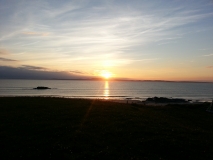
(57, 128)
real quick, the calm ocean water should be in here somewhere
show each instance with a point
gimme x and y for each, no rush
(107, 89)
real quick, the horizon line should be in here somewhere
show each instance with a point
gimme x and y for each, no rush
(111, 79)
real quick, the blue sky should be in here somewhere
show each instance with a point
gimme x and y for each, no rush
(138, 39)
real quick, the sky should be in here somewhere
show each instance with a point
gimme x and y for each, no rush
(137, 39)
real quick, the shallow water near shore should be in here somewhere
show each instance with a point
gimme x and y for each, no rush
(108, 89)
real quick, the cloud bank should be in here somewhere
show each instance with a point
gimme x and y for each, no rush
(30, 72)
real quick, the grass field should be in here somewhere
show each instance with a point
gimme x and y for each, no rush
(58, 128)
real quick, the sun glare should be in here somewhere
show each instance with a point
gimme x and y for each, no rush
(106, 74)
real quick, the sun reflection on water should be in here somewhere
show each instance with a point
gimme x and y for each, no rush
(106, 90)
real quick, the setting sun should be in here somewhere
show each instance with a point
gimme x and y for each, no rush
(106, 74)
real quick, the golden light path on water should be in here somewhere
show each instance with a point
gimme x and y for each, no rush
(106, 90)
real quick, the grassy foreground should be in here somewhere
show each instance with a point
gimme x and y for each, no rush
(57, 128)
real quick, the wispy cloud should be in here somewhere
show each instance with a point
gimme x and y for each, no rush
(28, 44)
(78, 72)
(70, 25)
(121, 62)
(28, 67)
(207, 55)
(7, 59)
(36, 33)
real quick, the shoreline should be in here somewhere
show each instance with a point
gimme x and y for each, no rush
(118, 99)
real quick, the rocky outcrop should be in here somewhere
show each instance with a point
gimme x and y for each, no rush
(166, 100)
(42, 87)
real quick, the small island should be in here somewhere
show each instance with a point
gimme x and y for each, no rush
(42, 87)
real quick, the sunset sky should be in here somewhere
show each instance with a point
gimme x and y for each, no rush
(137, 39)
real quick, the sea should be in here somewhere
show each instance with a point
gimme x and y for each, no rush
(137, 90)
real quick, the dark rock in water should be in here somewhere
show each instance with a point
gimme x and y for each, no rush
(41, 87)
(166, 100)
